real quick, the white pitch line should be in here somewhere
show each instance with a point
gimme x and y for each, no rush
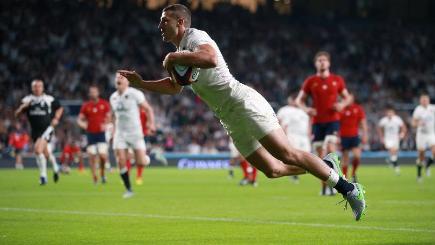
(213, 219)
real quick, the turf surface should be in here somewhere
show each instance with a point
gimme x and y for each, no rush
(205, 207)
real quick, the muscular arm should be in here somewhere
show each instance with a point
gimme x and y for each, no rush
(150, 116)
(363, 125)
(82, 122)
(20, 109)
(300, 102)
(163, 86)
(204, 57)
(57, 116)
(346, 100)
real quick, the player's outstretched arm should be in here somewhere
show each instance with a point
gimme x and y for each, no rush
(364, 127)
(163, 86)
(20, 109)
(300, 102)
(82, 122)
(57, 116)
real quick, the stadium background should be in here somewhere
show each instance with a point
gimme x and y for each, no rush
(384, 50)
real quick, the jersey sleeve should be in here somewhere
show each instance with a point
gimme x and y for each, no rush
(381, 123)
(416, 113)
(55, 104)
(82, 109)
(306, 86)
(197, 38)
(26, 99)
(400, 121)
(139, 96)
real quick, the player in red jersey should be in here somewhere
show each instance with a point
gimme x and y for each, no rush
(18, 139)
(93, 117)
(351, 118)
(324, 88)
(71, 153)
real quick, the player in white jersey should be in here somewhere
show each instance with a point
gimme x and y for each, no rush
(125, 103)
(244, 113)
(296, 125)
(423, 118)
(391, 130)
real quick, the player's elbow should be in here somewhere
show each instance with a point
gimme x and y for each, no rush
(210, 61)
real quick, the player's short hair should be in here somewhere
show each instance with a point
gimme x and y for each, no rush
(322, 53)
(182, 12)
(389, 107)
(94, 86)
(424, 94)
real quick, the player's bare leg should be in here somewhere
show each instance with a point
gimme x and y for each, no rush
(103, 160)
(142, 160)
(276, 143)
(430, 161)
(48, 153)
(270, 166)
(41, 160)
(93, 166)
(19, 161)
(356, 152)
(345, 161)
(393, 159)
(121, 156)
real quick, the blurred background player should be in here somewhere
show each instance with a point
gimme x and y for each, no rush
(249, 172)
(351, 119)
(18, 139)
(93, 117)
(423, 118)
(391, 131)
(43, 112)
(296, 125)
(145, 125)
(125, 103)
(324, 88)
(71, 154)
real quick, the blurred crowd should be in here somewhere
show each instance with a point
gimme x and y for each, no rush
(72, 44)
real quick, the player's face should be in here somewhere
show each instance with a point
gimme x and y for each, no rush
(121, 83)
(168, 26)
(37, 88)
(390, 113)
(93, 93)
(424, 100)
(322, 63)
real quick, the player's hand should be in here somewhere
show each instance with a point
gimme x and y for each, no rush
(151, 128)
(168, 62)
(401, 136)
(133, 78)
(311, 111)
(54, 122)
(339, 106)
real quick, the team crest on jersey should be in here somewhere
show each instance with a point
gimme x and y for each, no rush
(101, 107)
(94, 110)
(325, 87)
(334, 83)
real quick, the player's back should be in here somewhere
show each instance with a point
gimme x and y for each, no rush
(214, 85)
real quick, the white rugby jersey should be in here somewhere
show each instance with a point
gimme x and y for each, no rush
(125, 106)
(294, 121)
(214, 85)
(427, 116)
(391, 126)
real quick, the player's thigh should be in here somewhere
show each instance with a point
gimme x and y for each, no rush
(269, 165)
(102, 149)
(40, 145)
(121, 156)
(277, 144)
(356, 151)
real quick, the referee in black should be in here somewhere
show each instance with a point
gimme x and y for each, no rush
(43, 112)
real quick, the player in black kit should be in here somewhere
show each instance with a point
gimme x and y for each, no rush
(43, 112)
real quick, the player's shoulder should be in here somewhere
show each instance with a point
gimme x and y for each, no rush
(134, 91)
(312, 78)
(28, 98)
(113, 96)
(336, 76)
(193, 32)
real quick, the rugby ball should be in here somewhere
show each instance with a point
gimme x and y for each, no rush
(184, 75)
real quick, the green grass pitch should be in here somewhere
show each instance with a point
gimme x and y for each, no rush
(205, 207)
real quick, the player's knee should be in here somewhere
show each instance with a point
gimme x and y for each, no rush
(272, 173)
